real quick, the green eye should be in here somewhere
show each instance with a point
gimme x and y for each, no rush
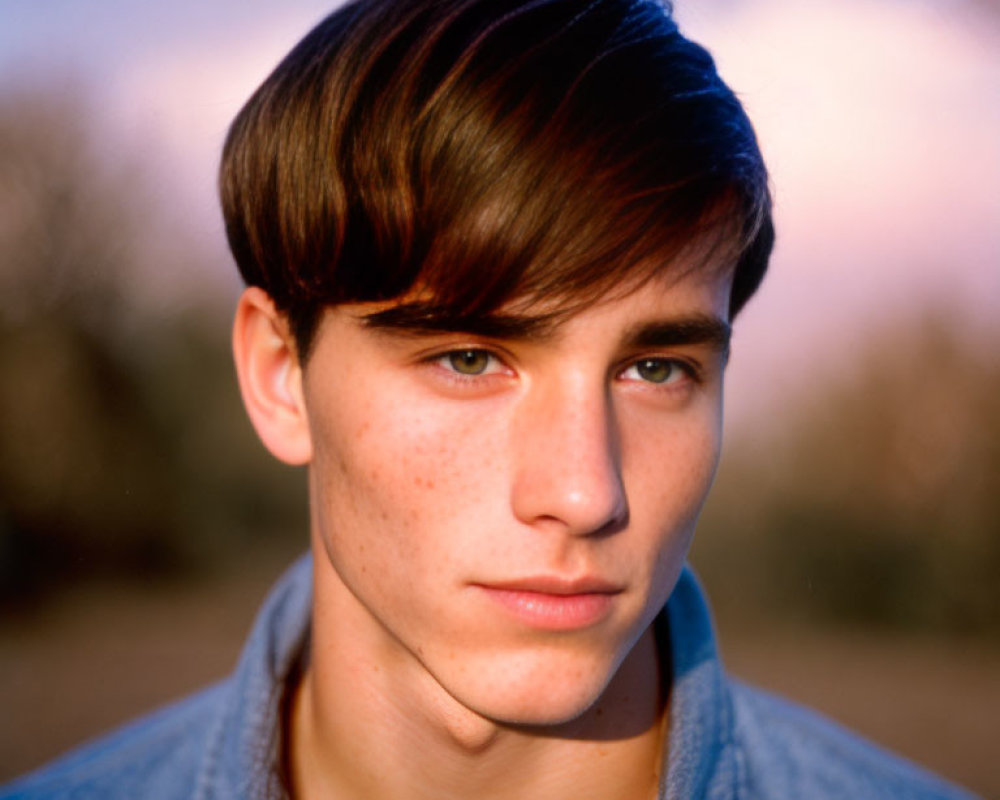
(469, 362)
(656, 370)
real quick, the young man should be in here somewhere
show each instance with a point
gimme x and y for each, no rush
(493, 250)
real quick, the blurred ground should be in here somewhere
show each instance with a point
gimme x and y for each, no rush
(80, 667)
(99, 655)
(929, 699)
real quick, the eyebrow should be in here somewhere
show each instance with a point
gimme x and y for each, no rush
(700, 329)
(425, 319)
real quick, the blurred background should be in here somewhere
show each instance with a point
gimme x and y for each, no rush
(852, 544)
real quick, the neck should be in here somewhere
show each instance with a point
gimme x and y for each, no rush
(360, 727)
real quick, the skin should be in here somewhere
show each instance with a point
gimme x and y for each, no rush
(496, 524)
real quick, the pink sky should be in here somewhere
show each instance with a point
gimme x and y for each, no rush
(880, 120)
(881, 125)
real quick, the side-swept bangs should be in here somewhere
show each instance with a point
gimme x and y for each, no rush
(479, 151)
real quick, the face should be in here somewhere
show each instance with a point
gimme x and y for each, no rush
(502, 519)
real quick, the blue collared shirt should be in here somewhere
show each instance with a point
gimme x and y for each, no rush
(727, 741)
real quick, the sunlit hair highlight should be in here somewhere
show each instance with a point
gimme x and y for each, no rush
(479, 151)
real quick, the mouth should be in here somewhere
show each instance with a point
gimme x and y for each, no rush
(554, 603)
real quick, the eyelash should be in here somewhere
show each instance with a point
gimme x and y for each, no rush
(443, 360)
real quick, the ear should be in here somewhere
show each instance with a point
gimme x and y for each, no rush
(270, 377)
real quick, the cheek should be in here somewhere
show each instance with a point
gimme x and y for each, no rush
(669, 470)
(673, 462)
(409, 476)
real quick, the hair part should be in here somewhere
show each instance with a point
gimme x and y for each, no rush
(479, 151)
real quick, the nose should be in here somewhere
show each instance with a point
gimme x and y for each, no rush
(567, 464)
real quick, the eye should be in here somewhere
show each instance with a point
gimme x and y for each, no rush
(660, 371)
(470, 362)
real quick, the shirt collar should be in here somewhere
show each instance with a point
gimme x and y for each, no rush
(245, 749)
(701, 757)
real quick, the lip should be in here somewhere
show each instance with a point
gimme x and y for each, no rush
(552, 602)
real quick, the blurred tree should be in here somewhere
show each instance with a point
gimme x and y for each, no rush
(123, 446)
(880, 502)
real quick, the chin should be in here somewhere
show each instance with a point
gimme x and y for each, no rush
(541, 712)
(551, 693)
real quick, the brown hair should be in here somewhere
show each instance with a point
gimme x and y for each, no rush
(485, 150)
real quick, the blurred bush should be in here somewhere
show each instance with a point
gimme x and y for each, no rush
(123, 446)
(878, 501)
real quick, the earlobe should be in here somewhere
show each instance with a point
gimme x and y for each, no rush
(270, 377)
